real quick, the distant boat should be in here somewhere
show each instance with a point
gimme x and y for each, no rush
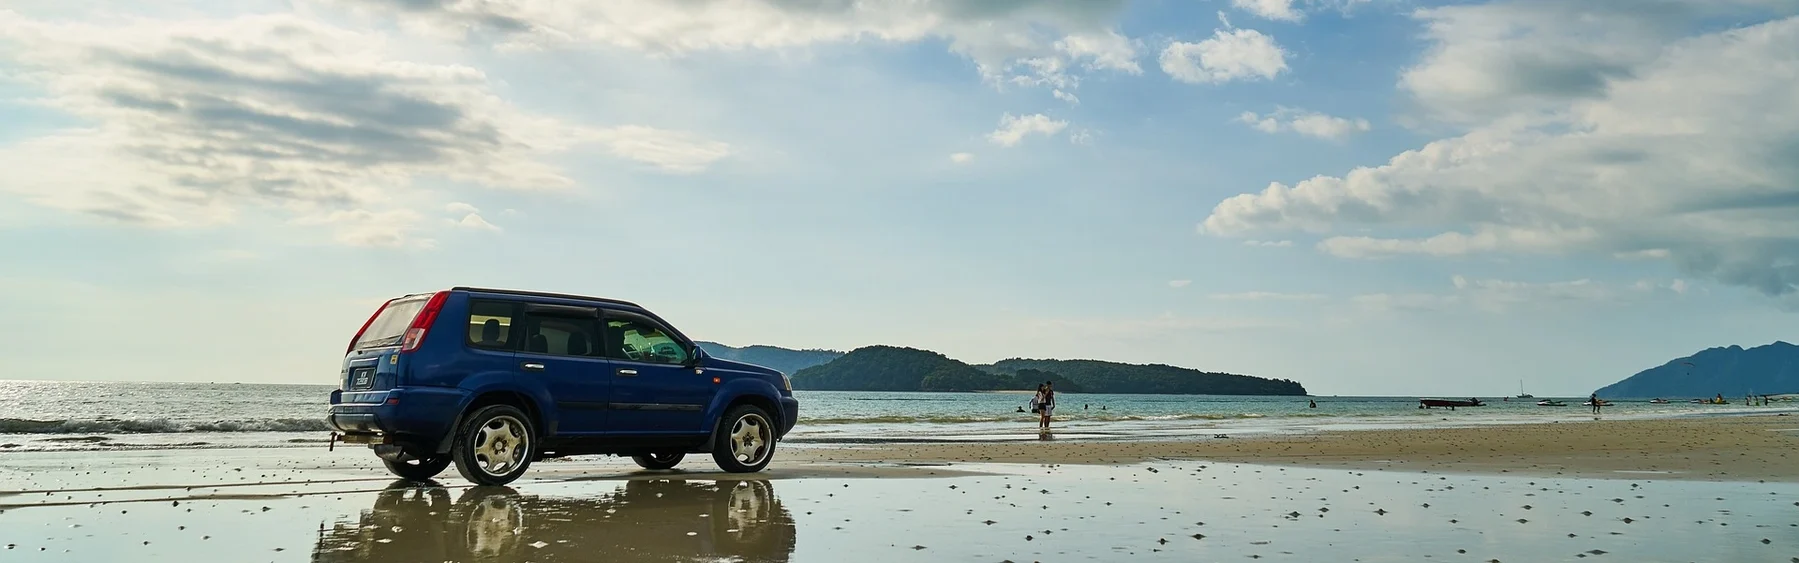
(1448, 403)
(1658, 401)
(1551, 403)
(1521, 393)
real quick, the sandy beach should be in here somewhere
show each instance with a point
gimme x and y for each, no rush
(1752, 448)
(1705, 489)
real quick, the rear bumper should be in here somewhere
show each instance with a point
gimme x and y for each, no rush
(790, 414)
(410, 415)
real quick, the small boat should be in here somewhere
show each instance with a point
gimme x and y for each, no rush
(1521, 393)
(1658, 401)
(1551, 403)
(1448, 403)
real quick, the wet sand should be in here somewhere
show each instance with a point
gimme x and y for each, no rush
(1056, 501)
(1752, 448)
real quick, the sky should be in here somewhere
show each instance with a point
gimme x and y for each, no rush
(1371, 197)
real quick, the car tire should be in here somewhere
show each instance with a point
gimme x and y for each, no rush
(745, 440)
(659, 461)
(418, 469)
(494, 445)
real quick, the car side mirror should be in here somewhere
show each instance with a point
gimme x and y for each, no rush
(695, 357)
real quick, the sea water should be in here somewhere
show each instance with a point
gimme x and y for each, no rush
(64, 415)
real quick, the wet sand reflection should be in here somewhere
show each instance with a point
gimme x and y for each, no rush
(643, 520)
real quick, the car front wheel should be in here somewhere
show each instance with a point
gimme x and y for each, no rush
(494, 445)
(745, 441)
(659, 461)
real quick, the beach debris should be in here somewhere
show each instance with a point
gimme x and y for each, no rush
(539, 544)
(917, 547)
(1199, 536)
(1598, 552)
(1380, 511)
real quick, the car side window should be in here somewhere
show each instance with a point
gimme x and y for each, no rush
(562, 336)
(638, 338)
(490, 324)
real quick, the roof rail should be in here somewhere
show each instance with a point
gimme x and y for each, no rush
(546, 294)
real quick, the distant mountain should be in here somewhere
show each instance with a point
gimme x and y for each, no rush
(1112, 377)
(1733, 371)
(889, 368)
(787, 360)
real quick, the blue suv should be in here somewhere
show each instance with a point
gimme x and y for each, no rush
(493, 380)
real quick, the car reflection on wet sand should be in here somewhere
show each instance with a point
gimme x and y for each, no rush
(643, 520)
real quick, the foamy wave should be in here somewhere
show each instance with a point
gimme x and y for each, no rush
(158, 426)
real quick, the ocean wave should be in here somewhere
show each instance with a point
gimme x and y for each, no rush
(158, 426)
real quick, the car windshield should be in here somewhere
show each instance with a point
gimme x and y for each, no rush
(390, 326)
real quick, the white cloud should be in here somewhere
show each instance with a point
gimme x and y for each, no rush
(1269, 243)
(1685, 155)
(1501, 296)
(1134, 327)
(1270, 9)
(1082, 137)
(1269, 296)
(961, 157)
(1066, 97)
(193, 121)
(1308, 123)
(474, 221)
(671, 151)
(1177, 284)
(1035, 42)
(1102, 51)
(471, 217)
(1014, 128)
(1495, 58)
(1230, 54)
(393, 228)
(1291, 10)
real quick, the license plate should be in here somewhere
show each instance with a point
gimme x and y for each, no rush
(363, 380)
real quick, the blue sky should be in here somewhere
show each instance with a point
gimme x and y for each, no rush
(1367, 196)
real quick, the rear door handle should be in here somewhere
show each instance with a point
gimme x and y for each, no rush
(532, 366)
(627, 373)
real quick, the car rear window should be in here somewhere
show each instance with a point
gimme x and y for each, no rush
(390, 326)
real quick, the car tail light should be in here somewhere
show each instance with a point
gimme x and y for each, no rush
(421, 324)
(365, 326)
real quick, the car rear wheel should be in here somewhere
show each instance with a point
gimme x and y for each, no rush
(418, 469)
(659, 460)
(494, 445)
(746, 440)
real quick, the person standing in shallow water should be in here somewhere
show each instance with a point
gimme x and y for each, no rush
(1046, 403)
(1595, 400)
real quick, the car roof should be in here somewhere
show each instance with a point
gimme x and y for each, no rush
(523, 293)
